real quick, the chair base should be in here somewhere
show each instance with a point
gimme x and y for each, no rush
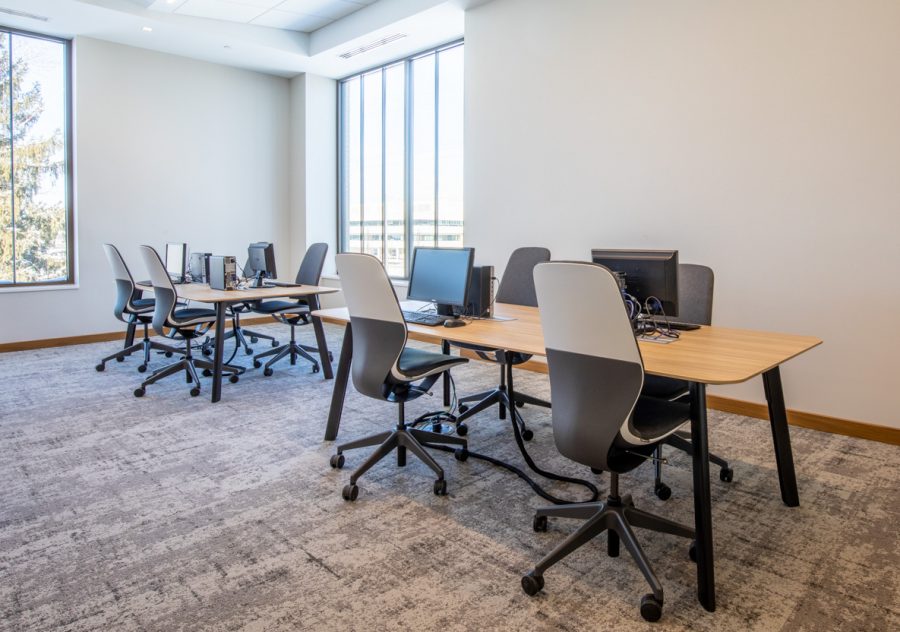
(240, 335)
(499, 396)
(617, 516)
(189, 365)
(401, 439)
(146, 345)
(682, 441)
(293, 349)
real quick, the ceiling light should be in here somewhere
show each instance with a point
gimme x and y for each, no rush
(23, 14)
(147, 29)
(365, 49)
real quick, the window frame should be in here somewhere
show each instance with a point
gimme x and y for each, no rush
(71, 276)
(408, 140)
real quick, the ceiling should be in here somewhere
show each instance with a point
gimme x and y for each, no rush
(282, 37)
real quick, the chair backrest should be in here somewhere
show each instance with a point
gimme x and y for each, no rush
(596, 370)
(695, 294)
(379, 331)
(163, 289)
(517, 285)
(310, 272)
(126, 292)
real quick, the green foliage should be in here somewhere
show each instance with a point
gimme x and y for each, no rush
(36, 236)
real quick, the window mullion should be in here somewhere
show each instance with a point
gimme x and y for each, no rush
(436, 112)
(408, 168)
(383, 165)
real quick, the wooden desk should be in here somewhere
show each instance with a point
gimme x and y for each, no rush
(221, 299)
(710, 355)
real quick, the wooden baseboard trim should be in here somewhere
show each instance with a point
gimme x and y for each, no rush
(823, 423)
(28, 345)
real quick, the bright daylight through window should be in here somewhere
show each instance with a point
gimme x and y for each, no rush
(36, 244)
(401, 157)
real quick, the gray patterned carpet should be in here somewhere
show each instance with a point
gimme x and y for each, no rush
(169, 513)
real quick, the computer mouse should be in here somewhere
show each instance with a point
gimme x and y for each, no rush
(454, 322)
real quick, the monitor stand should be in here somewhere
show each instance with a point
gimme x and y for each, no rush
(258, 280)
(444, 309)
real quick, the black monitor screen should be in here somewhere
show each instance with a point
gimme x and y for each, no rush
(441, 275)
(175, 255)
(647, 273)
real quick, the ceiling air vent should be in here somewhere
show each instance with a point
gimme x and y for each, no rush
(365, 49)
(23, 14)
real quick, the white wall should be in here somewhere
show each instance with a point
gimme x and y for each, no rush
(760, 138)
(167, 149)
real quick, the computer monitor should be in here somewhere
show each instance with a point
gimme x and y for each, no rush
(441, 275)
(261, 260)
(648, 273)
(176, 258)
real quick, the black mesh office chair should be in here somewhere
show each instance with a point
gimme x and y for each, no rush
(295, 312)
(516, 288)
(386, 369)
(599, 418)
(695, 302)
(132, 309)
(189, 323)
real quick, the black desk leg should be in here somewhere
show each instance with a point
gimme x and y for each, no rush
(781, 437)
(219, 352)
(706, 583)
(445, 349)
(340, 386)
(322, 345)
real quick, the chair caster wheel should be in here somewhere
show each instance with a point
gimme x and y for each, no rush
(195, 391)
(350, 492)
(248, 351)
(461, 454)
(207, 373)
(440, 487)
(254, 339)
(315, 368)
(463, 408)
(532, 583)
(539, 524)
(120, 359)
(663, 491)
(726, 474)
(336, 461)
(100, 368)
(330, 357)
(520, 404)
(594, 470)
(139, 392)
(692, 552)
(651, 608)
(233, 379)
(527, 434)
(274, 343)
(168, 354)
(268, 371)
(142, 368)
(206, 352)
(462, 429)
(257, 364)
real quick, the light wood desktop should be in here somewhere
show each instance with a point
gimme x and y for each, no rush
(221, 299)
(709, 355)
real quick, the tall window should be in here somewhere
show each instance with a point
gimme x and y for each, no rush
(401, 157)
(36, 241)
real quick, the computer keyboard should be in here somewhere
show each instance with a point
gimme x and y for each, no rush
(280, 284)
(683, 326)
(425, 318)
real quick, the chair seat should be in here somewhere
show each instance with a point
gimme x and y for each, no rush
(416, 363)
(513, 357)
(663, 387)
(654, 418)
(144, 303)
(280, 307)
(192, 316)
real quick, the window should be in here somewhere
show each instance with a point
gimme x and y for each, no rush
(401, 157)
(36, 240)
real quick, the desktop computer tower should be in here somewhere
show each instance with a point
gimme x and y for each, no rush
(481, 292)
(223, 273)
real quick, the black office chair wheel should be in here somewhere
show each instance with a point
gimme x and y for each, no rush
(539, 524)
(462, 408)
(519, 404)
(330, 357)
(100, 367)
(268, 371)
(440, 487)
(527, 434)
(234, 378)
(462, 429)
(274, 343)
(168, 354)
(336, 461)
(206, 351)
(207, 373)
(120, 358)
(315, 368)
(254, 339)
(350, 492)
(692, 552)
(597, 471)
(139, 392)
(142, 368)
(461, 454)
(726, 474)
(257, 364)
(662, 491)
(195, 391)
(532, 583)
(248, 351)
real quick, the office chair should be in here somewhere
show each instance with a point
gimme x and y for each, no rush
(599, 418)
(516, 288)
(294, 312)
(384, 368)
(130, 308)
(695, 301)
(189, 323)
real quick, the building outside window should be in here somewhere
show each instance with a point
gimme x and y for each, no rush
(401, 157)
(36, 227)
